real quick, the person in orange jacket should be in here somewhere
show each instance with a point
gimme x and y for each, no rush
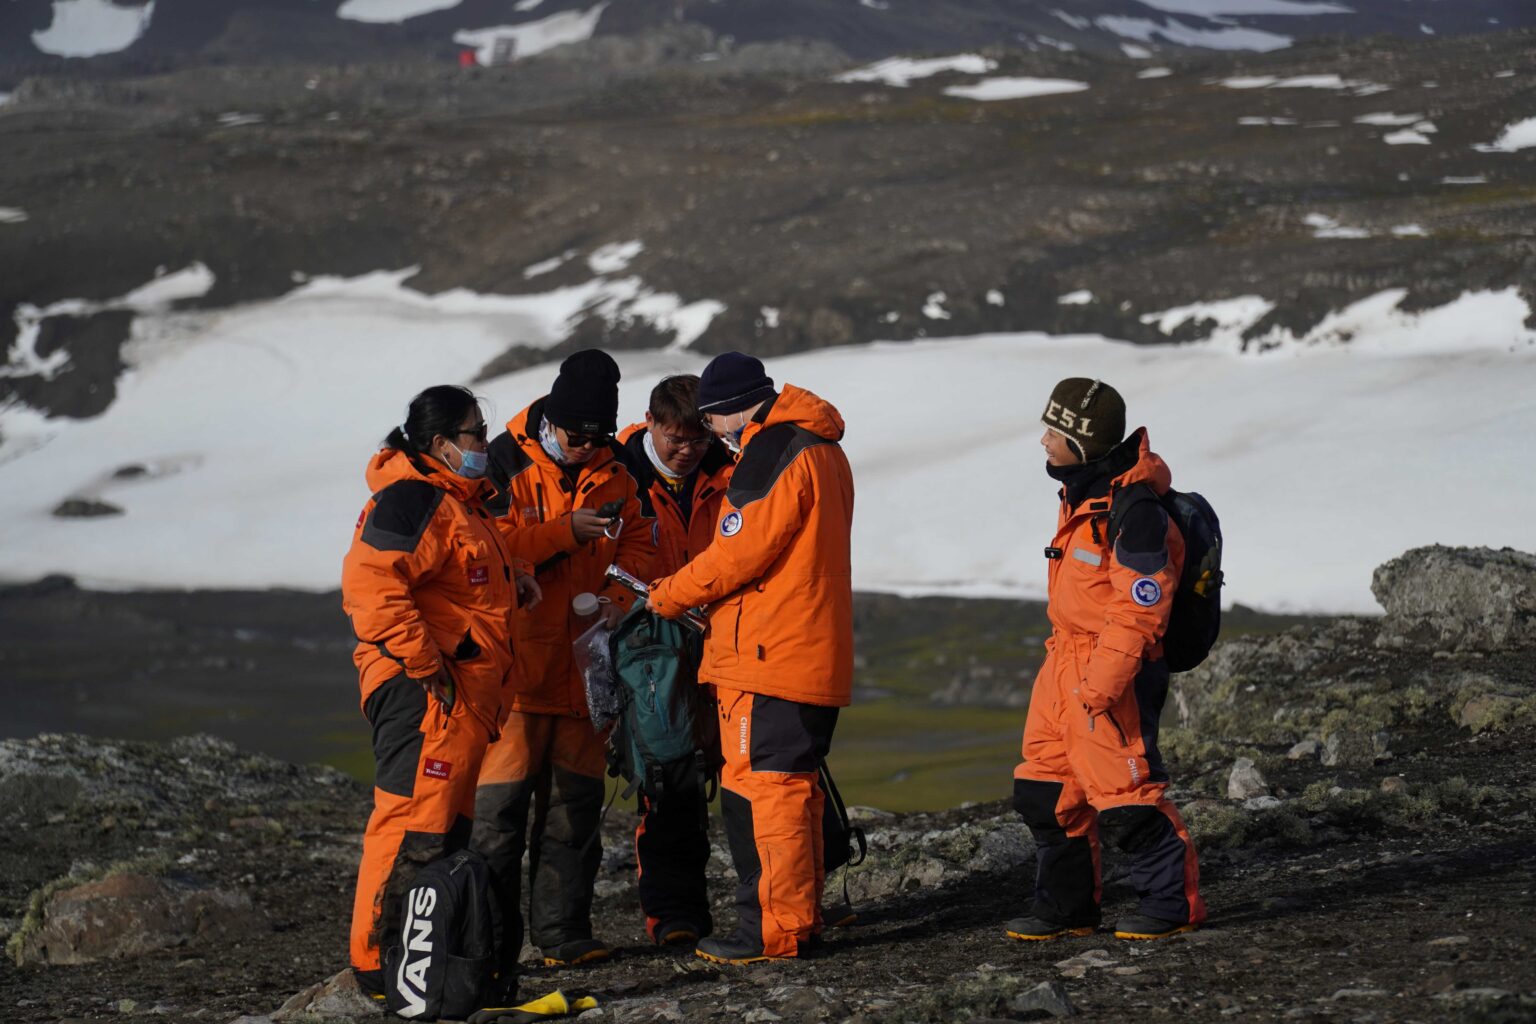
(1090, 758)
(777, 583)
(431, 589)
(682, 471)
(554, 468)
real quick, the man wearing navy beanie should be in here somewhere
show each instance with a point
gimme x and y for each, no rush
(777, 583)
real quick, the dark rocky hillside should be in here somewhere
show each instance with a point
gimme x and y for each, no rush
(1361, 792)
(817, 213)
(285, 30)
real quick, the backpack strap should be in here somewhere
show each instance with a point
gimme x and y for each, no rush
(854, 832)
(1120, 505)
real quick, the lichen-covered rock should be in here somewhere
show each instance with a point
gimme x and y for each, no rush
(128, 914)
(1458, 598)
(336, 997)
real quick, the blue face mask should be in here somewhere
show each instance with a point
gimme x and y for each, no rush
(472, 465)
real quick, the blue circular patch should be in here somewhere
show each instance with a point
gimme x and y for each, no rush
(1146, 591)
(730, 526)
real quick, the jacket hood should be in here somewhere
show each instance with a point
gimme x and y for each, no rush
(391, 466)
(805, 410)
(1149, 467)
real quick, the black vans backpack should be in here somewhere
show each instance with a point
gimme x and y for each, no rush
(1195, 620)
(446, 959)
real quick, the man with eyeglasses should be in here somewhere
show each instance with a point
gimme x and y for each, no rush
(554, 468)
(777, 581)
(683, 472)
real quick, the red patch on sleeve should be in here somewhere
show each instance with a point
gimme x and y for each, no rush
(360, 517)
(433, 768)
(479, 575)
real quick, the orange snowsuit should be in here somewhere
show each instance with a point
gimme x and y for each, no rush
(1090, 758)
(777, 583)
(428, 583)
(548, 756)
(672, 839)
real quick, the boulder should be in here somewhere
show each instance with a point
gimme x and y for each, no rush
(1246, 781)
(1444, 598)
(130, 913)
(336, 997)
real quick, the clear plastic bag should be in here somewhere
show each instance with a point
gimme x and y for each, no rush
(605, 697)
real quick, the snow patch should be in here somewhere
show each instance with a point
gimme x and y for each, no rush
(934, 309)
(1294, 82)
(12, 215)
(875, 5)
(989, 89)
(1056, 44)
(381, 12)
(995, 297)
(89, 28)
(1079, 23)
(1227, 38)
(1080, 297)
(1406, 137)
(1155, 73)
(1231, 317)
(1135, 52)
(770, 316)
(524, 6)
(1326, 227)
(1410, 231)
(1389, 120)
(546, 266)
(614, 257)
(1218, 8)
(1515, 137)
(1474, 179)
(899, 72)
(529, 38)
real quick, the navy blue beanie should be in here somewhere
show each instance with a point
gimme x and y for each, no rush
(733, 381)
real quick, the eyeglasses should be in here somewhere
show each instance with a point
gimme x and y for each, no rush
(478, 432)
(586, 440)
(686, 442)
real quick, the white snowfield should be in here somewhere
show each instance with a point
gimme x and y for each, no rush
(900, 72)
(533, 37)
(1325, 455)
(1514, 137)
(90, 28)
(989, 89)
(391, 11)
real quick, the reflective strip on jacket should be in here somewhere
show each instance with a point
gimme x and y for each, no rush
(1109, 608)
(678, 540)
(533, 503)
(776, 579)
(428, 582)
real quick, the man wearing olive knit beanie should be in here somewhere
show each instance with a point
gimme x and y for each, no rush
(1090, 765)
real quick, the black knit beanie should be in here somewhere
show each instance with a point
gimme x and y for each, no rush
(733, 381)
(1089, 414)
(585, 397)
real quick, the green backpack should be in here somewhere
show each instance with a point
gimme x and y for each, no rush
(666, 721)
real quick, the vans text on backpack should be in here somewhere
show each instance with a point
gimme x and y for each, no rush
(450, 955)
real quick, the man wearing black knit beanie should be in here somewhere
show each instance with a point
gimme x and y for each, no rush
(554, 468)
(776, 580)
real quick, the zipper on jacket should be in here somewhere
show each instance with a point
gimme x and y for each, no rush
(1123, 741)
(538, 499)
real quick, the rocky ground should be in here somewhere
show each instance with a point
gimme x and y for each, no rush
(1360, 790)
(817, 213)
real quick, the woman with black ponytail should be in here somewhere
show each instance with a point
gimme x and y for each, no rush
(431, 589)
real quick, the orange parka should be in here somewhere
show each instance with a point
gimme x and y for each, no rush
(534, 499)
(1109, 607)
(428, 582)
(678, 536)
(776, 579)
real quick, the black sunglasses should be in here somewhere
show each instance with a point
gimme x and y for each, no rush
(479, 433)
(587, 440)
